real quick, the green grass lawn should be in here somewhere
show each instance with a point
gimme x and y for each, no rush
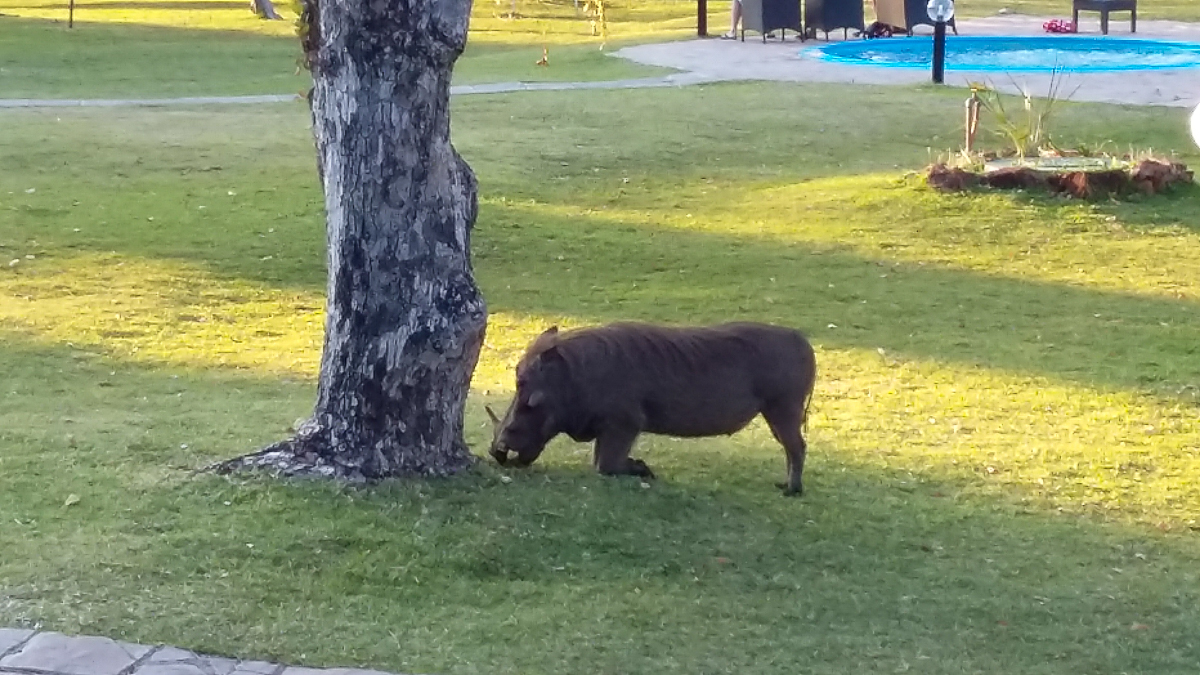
(217, 48)
(1005, 443)
(1175, 10)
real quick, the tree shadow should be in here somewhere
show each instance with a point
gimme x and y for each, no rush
(1176, 209)
(708, 568)
(901, 559)
(737, 131)
(1143, 213)
(597, 268)
(531, 259)
(1084, 335)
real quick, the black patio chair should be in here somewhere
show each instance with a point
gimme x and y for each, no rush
(1104, 7)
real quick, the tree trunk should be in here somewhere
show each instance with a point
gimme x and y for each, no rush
(404, 318)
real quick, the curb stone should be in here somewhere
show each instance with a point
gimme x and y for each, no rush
(29, 652)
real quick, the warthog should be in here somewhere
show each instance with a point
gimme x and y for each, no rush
(611, 383)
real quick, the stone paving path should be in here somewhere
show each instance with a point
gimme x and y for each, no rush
(28, 652)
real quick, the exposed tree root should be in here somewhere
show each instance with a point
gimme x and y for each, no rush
(309, 454)
(305, 455)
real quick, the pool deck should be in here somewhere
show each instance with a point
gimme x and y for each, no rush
(713, 60)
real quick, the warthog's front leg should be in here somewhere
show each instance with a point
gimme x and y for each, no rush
(612, 454)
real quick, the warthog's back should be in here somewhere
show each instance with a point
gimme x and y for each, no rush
(688, 381)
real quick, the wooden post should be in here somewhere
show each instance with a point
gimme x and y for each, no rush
(972, 122)
(701, 18)
(71, 14)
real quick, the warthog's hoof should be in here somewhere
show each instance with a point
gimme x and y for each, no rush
(789, 491)
(638, 468)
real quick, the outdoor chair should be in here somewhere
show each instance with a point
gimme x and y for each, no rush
(827, 15)
(768, 16)
(905, 14)
(1104, 7)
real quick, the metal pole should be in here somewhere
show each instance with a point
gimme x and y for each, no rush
(71, 15)
(702, 18)
(939, 51)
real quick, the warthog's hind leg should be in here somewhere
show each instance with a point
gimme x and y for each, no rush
(612, 454)
(784, 421)
(638, 468)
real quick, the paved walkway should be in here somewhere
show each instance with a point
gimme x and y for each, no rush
(27, 652)
(722, 60)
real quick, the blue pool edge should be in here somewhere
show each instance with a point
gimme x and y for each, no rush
(820, 53)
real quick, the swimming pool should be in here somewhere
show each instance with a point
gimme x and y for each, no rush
(1015, 54)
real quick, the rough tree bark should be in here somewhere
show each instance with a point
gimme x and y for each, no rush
(404, 318)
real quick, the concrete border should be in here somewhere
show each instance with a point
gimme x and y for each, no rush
(28, 652)
(730, 60)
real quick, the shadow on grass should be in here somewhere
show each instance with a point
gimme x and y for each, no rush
(531, 260)
(599, 269)
(707, 570)
(1141, 213)
(1137, 212)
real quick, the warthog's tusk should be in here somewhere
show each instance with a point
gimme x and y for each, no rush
(491, 414)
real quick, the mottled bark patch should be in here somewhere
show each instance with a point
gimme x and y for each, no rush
(404, 318)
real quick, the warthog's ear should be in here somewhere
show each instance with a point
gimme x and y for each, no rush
(550, 354)
(544, 342)
(492, 414)
(548, 337)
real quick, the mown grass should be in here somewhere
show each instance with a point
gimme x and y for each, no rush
(1004, 445)
(218, 48)
(1174, 10)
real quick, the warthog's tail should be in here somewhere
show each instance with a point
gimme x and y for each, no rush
(808, 394)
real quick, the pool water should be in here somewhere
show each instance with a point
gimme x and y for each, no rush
(1015, 54)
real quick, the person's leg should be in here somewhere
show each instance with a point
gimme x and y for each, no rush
(735, 17)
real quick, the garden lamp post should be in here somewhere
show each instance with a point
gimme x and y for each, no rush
(940, 11)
